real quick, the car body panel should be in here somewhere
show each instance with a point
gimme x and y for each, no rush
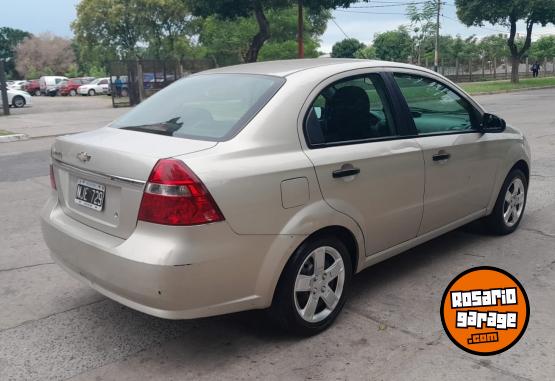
(233, 265)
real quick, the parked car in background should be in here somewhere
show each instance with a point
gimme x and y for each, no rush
(18, 98)
(269, 185)
(33, 87)
(49, 84)
(70, 86)
(17, 85)
(124, 86)
(98, 86)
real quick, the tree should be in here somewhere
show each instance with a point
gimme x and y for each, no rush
(234, 9)
(44, 54)
(168, 27)
(117, 25)
(508, 13)
(543, 48)
(368, 52)
(227, 42)
(395, 45)
(346, 48)
(9, 39)
(422, 24)
(494, 46)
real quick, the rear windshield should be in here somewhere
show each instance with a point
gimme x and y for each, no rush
(204, 107)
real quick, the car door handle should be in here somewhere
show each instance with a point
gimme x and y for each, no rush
(441, 156)
(344, 172)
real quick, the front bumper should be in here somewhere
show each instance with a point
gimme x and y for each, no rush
(171, 272)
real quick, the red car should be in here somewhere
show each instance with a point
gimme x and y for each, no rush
(33, 87)
(70, 86)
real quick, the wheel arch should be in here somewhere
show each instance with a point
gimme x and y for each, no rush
(523, 166)
(345, 235)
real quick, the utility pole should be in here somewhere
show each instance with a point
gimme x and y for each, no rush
(436, 55)
(3, 90)
(300, 30)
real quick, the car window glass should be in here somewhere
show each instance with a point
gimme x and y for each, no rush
(352, 109)
(203, 106)
(434, 107)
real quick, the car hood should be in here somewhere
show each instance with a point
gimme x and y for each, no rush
(17, 92)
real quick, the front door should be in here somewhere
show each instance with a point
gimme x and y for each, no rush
(460, 161)
(365, 168)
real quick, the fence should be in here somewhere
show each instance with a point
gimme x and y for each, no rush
(477, 69)
(131, 82)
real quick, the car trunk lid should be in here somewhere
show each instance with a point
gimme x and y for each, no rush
(118, 162)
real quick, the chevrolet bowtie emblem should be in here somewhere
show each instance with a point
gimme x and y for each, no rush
(83, 156)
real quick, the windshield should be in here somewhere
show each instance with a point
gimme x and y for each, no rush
(204, 107)
(94, 82)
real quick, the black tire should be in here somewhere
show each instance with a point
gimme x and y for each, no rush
(18, 101)
(91, 92)
(72, 93)
(37, 93)
(495, 221)
(284, 311)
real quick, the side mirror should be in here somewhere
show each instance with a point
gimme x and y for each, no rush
(492, 123)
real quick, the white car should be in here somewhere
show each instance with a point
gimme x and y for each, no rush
(17, 85)
(18, 98)
(98, 86)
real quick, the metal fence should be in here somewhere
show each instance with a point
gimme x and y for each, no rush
(478, 69)
(131, 82)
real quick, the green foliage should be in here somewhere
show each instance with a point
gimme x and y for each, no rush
(230, 10)
(508, 13)
(227, 41)
(346, 48)
(422, 26)
(72, 72)
(9, 39)
(395, 45)
(368, 52)
(543, 48)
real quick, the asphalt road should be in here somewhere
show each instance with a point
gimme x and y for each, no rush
(52, 327)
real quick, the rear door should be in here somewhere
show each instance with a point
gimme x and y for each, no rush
(461, 162)
(366, 166)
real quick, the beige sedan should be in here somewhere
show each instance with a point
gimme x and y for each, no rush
(270, 185)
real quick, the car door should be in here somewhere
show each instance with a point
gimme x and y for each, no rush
(461, 162)
(366, 166)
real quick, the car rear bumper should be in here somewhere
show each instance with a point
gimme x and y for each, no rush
(171, 272)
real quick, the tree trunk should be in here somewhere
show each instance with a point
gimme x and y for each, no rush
(515, 62)
(261, 37)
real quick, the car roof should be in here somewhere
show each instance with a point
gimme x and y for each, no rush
(283, 68)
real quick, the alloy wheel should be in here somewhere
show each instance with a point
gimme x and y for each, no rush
(319, 284)
(514, 202)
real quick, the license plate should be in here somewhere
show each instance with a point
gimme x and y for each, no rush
(90, 195)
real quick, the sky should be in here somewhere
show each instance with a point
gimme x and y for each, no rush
(361, 21)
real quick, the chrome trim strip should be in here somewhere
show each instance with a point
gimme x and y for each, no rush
(103, 175)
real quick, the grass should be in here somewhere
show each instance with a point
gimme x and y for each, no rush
(503, 86)
(4, 132)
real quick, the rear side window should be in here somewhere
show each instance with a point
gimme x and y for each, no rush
(204, 107)
(434, 107)
(350, 110)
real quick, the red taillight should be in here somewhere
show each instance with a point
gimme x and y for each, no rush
(175, 196)
(52, 178)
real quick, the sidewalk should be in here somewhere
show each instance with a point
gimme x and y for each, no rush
(60, 116)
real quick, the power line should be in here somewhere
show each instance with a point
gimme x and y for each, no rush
(371, 13)
(481, 27)
(341, 29)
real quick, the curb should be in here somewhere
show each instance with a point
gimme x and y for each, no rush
(513, 90)
(13, 138)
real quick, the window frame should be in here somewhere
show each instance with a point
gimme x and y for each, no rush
(471, 103)
(391, 99)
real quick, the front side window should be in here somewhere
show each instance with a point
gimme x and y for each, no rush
(434, 107)
(350, 110)
(205, 106)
